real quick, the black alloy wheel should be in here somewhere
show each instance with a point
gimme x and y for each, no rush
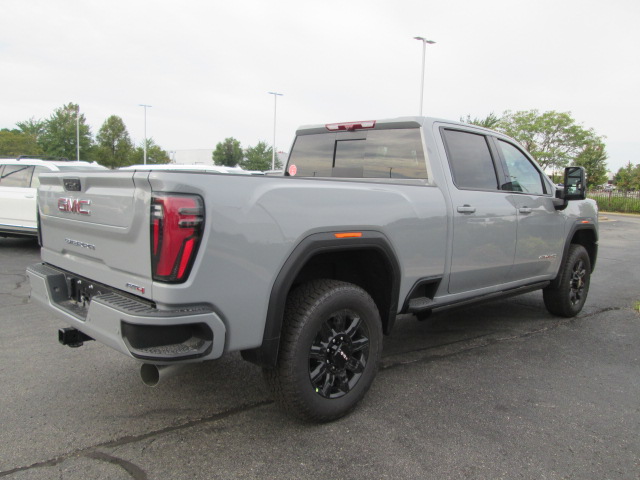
(568, 292)
(339, 354)
(330, 347)
(578, 282)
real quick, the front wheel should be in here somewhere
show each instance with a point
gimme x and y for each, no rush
(566, 295)
(329, 350)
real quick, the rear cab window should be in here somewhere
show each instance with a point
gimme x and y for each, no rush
(376, 154)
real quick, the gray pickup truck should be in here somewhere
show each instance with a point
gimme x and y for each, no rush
(303, 273)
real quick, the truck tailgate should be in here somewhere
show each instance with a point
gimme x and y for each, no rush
(97, 225)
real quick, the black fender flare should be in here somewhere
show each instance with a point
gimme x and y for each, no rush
(266, 355)
(593, 250)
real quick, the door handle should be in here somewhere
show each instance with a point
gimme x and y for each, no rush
(524, 210)
(466, 209)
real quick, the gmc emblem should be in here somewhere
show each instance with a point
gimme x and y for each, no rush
(74, 205)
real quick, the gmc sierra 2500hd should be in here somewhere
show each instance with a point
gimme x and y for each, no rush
(303, 273)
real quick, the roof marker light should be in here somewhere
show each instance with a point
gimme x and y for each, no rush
(350, 126)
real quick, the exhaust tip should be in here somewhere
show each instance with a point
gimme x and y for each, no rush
(150, 374)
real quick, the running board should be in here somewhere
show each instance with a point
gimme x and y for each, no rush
(422, 304)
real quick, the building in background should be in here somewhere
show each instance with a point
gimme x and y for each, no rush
(197, 156)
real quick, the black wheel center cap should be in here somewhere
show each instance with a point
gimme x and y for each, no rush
(340, 352)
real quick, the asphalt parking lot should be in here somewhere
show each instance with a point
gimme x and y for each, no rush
(499, 391)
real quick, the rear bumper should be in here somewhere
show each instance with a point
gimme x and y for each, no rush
(137, 329)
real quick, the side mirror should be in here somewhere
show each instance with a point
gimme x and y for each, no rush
(575, 185)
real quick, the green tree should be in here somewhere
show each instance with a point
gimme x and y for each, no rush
(155, 154)
(227, 153)
(490, 121)
(628, 177)
(635, 180)
(114, 147)
(594, 159)
(553, 138)
(14, 143)
(58, 138)
(32, 127)
(259, 158)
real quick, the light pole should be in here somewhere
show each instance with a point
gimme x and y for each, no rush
(424, 51)
(275, 107)
(145, 130)
(78, 133)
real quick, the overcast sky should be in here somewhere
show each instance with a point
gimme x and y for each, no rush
(206, 66)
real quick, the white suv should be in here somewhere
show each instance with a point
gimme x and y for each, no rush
(18, 189)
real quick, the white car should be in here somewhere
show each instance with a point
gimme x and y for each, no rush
(19, 187)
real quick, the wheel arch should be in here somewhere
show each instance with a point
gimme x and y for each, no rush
(585, 235)
(368, 261)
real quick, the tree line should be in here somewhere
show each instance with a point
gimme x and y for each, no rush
(554, 139)
(628, 177)
(231, 154)
(57, 136)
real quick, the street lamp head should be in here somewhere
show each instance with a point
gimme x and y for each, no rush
(274, 93)
(424, 50)
(430, 42)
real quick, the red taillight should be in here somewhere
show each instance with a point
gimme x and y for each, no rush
(350, 126)
(177, 222)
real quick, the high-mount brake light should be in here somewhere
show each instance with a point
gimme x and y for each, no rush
(350, 126)
(177, 222)
(348, 235)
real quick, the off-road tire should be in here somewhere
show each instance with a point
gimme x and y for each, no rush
(330, 348)
(568, 292)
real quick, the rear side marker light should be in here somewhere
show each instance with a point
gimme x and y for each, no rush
(177, 222)
(350, 126)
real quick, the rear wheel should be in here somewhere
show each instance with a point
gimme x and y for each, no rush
(329, 350)
(568, 293)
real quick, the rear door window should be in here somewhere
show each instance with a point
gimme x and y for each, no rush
(470, 158)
